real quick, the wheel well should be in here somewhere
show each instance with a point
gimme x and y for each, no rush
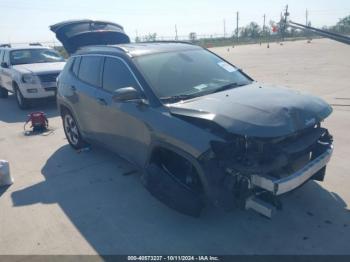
(63, 109)
(178, 167)
(14, 84)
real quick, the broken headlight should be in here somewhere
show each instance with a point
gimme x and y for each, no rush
(226, 149)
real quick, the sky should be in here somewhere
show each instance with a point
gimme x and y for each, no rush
(29, 20)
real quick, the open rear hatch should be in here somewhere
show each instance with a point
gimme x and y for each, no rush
(79, 33)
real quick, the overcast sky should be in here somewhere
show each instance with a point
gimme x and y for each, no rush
(28, 20)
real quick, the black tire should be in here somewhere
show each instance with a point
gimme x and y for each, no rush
(3, 92)
(71, 130)
(23, 103)
(171, 192)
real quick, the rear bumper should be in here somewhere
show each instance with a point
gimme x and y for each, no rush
(286, 184)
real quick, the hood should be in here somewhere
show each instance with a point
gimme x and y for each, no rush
(40, 68)
(79, 33)
(257, 111)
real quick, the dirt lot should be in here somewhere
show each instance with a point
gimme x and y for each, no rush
(63, 202)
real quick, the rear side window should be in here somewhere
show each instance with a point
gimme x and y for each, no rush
(6, 57)
(90, 70)
(117, 75)
(76, 64)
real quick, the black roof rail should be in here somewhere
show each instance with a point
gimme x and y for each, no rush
(5, 45)
(92, 47)
(35, 44)
(166, 41)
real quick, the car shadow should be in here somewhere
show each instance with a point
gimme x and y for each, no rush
(116, 215)
(3, 189)
(10, 112)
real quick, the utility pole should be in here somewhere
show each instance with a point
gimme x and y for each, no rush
(176, 37)
(224, 28)
(264, 35)
(237, 21)
(265, 32)
(307, 17)
(286, 14)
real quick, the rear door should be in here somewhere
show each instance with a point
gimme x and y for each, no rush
(121, 125)
(88, 69)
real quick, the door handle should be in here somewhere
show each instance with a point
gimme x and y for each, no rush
(102, 101)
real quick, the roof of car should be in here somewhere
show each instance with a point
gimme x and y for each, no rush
(24, 48)
(139, 49)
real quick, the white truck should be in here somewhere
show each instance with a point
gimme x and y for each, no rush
(29, 73)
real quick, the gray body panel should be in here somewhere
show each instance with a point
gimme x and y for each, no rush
(257, 110)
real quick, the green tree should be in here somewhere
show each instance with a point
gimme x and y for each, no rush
(150, 37)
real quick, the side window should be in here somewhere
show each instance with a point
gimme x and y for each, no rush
(116, 75)
(76, 64)
(6, 57)
(90, 70)
(1, 55)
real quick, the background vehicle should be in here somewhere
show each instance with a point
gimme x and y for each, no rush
(198, 127)
(29, 73)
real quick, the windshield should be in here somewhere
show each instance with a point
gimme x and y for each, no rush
(31, 56)
(186, 74)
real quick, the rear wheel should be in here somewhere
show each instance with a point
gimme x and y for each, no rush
(72, 132)
(3, 92)
(23, 103)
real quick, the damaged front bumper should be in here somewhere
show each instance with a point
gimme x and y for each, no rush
(286, 184)
(255, 179)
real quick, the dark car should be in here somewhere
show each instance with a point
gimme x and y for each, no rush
(198, 128)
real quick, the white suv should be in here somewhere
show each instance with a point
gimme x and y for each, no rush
(29, 73)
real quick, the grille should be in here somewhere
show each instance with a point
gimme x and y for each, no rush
(50, 88)
(48, 78)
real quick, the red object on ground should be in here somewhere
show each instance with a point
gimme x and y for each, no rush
(38, 120)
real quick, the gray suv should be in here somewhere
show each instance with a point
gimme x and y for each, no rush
(199, 129)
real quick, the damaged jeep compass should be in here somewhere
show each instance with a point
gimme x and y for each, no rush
(200, 129)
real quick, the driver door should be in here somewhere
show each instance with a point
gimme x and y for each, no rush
(121, 126)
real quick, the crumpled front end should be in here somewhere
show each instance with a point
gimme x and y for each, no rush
(252, 172)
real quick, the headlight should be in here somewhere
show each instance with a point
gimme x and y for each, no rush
(29, 79)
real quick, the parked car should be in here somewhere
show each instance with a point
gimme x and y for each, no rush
(198, 128)
(29, 73)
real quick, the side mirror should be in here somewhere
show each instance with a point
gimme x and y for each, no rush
(4, 65)
(126, 94)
